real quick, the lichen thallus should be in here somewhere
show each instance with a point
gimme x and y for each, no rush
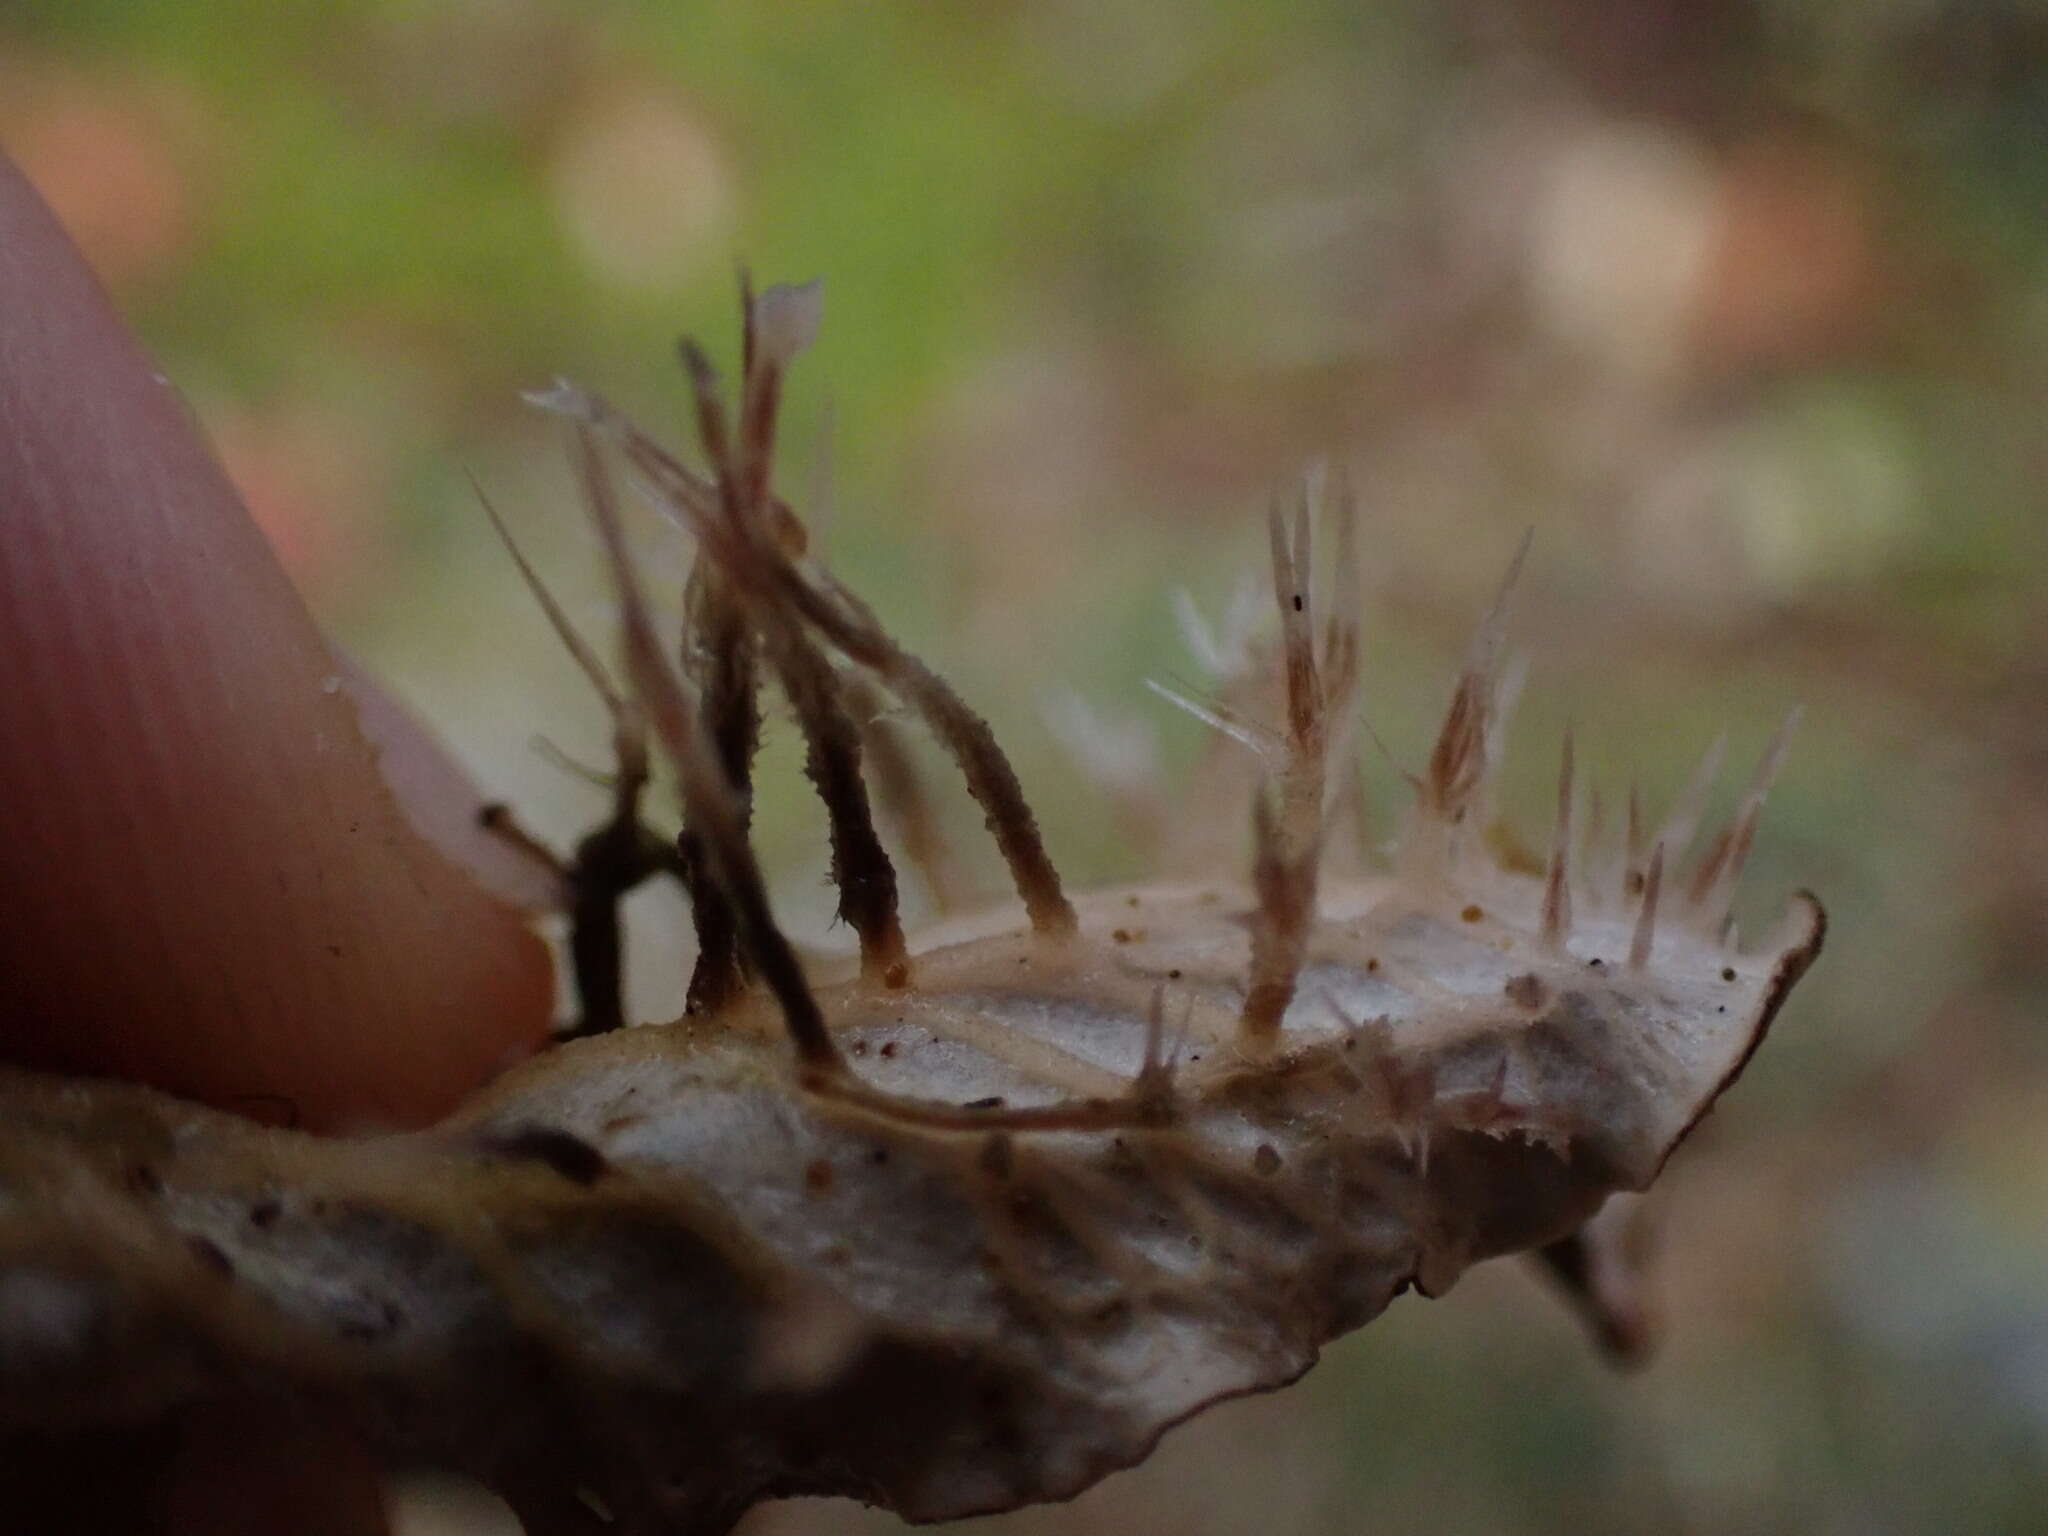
(972, 1228)
(755, 600)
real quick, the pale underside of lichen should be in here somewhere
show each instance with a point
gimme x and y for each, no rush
(968, 1229)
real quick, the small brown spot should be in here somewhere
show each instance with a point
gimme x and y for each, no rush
(860, 1047)
(1596, 964)
(1472, 914)
(1727, 973)
(1121, 935)
(143, 1180)
(1635, 882)
(818, 1176)
(896, 975)
(878, 1155)
(1131, 900)
(1266, 1161)
(1372, 965)
(264, 1213)
(1174, 974)
(888, 1047)
(993, 1101)
(997, 1155)
(1526, 991)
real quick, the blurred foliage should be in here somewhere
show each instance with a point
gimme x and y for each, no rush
(1742, 303)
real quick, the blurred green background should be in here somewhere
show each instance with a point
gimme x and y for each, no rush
(1741, 304)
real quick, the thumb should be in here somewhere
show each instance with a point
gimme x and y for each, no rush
(212, 888)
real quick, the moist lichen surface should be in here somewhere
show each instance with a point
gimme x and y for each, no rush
(969, 1228)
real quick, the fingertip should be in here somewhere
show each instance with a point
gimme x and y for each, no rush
(214, 889)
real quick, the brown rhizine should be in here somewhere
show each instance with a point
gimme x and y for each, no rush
(616, 856)
(861, 869)
(905, 797)
(1289, 815)
(709, 801)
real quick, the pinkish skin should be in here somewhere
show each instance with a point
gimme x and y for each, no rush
(208, 872)
(204, 868)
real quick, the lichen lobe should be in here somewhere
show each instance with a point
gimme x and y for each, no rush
(973, 1227)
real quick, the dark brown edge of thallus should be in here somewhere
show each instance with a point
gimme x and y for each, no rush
(1791, 967)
